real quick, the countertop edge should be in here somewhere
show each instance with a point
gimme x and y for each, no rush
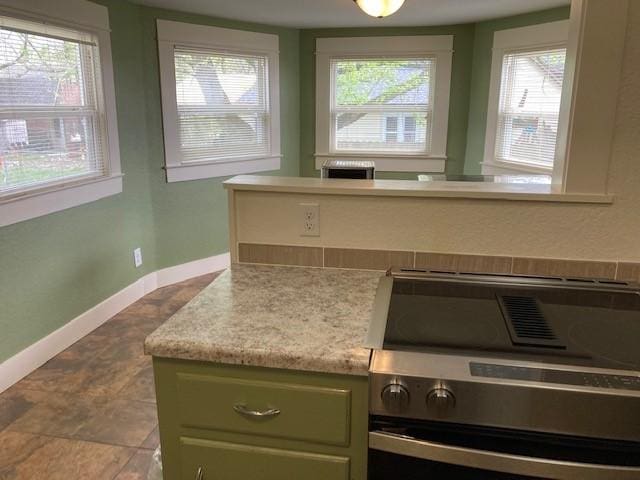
(413, 188)
(343, 366)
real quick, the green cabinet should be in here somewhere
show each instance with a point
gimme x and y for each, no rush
(229, 461)
(250, 423)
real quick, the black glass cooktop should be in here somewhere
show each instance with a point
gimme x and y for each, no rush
(591, 327)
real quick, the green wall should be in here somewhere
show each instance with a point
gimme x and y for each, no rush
(481, 75)
(55, 267)
(191, 217)
(458, 106)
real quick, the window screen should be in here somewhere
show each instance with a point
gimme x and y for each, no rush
(382, 105)
(530, 91)
(223, 111)
(50, 110)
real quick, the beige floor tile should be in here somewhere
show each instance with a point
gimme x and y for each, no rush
(141, 387)
(153, 440)
(106, 372)
(24, 456)
(138, 467)
(104, 420)
(14, 403)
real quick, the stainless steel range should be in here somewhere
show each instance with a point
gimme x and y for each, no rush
(503, 377)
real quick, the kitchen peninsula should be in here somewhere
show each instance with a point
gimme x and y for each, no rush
(264, 370)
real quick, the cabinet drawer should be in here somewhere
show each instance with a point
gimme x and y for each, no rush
(229, 461)
(307, 413)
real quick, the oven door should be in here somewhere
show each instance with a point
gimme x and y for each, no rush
(420, 450)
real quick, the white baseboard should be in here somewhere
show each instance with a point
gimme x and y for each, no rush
(167, 276)
(23, 363)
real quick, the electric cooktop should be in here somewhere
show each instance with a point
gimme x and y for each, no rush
(576, 322)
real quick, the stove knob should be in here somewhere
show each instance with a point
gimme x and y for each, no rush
(395, 397)
(439, 400)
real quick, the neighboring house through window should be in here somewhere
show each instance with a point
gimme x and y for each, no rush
(385, 99)
(220, 100)
(57, 110)
(525, 96)
(401, 129)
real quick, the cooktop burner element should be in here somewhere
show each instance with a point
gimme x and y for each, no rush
(442, 329)
(615, 339)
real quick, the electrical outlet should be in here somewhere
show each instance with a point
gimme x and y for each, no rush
(310, 219)
(137, 257)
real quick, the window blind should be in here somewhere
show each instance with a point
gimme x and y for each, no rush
(50, 121)
(382, 105)
(530, 93)
(222, 100)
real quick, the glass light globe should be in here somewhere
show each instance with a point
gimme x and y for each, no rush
(379, 8)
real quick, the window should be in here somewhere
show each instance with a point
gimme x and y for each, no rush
(58, 144)
(50, 123)
(366, 91)
(222, 104)
(530, 92)
(524, 125)
(383, 98)
(219, 101)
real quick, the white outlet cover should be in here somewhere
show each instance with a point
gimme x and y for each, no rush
(137, 257)
(310, 219)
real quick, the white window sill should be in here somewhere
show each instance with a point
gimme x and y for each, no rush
(413, 188)
(43, 202)
(390, 162)
(221, 168)
(497, 167)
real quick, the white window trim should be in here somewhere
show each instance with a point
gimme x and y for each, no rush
(440, 46)
(550, 34)
(92, 18)
(171, 34)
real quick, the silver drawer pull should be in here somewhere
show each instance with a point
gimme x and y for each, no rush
(200, 474)
(243, 410)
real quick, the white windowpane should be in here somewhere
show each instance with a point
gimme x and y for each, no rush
(49, 120)
(375, 101)
(530, 92)
(222, 104)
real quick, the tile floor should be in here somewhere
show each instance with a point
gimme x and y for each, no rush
(90, 413)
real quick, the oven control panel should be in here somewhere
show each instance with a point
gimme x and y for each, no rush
(493, 393)
(563, 377)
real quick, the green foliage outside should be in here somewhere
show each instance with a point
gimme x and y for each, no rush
(375, 82)
(378, 82)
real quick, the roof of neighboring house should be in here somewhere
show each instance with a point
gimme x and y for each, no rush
(27, 90)
(417, 95)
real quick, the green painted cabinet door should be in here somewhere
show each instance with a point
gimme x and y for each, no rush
(212, 460)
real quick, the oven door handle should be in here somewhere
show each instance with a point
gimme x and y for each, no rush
(496, 461)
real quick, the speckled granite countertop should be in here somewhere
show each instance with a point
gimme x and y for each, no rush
(280, 317)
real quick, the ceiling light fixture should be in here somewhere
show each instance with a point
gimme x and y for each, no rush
(379, 8)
